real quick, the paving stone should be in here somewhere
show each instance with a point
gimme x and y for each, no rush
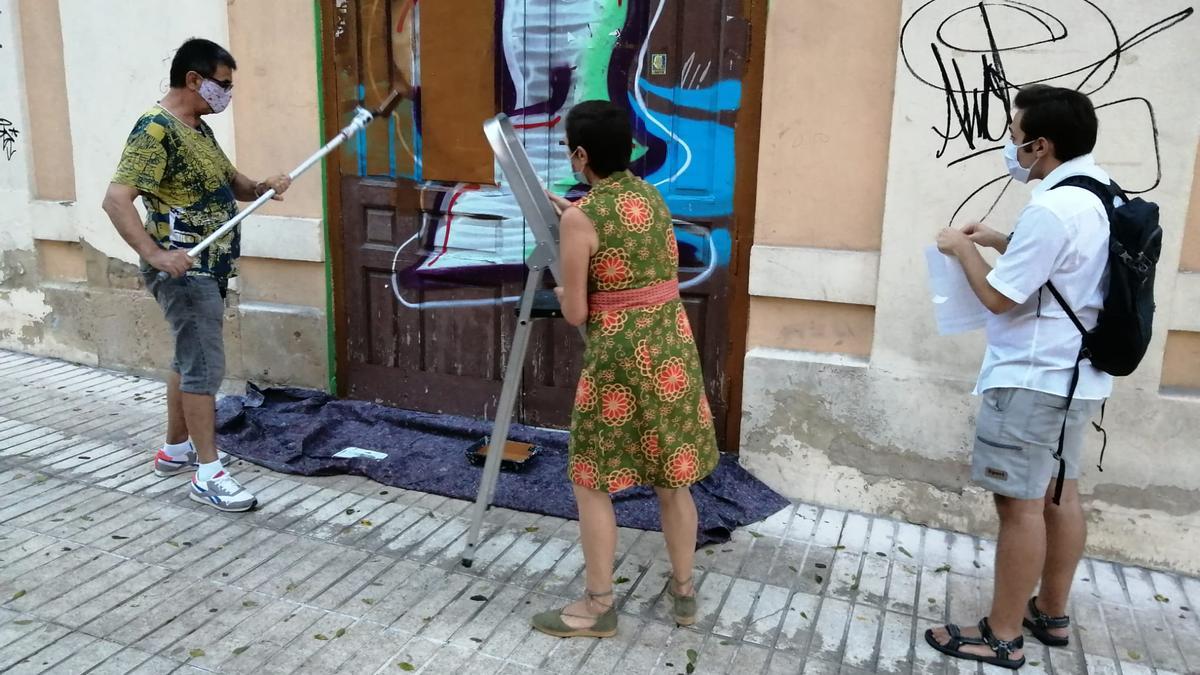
(105, 568)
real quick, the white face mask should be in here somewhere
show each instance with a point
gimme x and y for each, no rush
(215, 95)
(580, 177)
(1019, 173)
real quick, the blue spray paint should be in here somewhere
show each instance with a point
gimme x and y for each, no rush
(705, 188)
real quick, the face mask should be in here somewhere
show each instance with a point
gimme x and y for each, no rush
(579, 175)
(1019, 173)
(215, 95)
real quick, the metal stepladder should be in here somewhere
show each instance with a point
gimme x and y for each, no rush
(542, 222)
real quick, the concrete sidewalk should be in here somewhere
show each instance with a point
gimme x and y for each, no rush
(106, 569)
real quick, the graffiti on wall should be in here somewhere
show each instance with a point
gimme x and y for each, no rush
(550, 55)
(8, 138)
(1009, 44)
(8, 134)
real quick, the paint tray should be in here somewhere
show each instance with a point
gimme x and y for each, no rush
(516, 455)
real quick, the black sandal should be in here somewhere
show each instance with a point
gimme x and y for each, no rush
(1002, 648)
(1041, 623)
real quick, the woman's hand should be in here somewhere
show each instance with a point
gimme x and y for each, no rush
(560, 203)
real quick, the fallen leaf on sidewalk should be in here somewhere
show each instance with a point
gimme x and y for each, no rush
(196, 653)
(1161, 598)
(239, 650)
(904, 551)
(943, 569)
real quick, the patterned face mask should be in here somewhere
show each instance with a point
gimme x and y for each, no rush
(215, 95)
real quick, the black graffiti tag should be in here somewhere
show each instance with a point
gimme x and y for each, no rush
(8, 138)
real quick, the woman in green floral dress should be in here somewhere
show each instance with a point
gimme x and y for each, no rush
(641, 416)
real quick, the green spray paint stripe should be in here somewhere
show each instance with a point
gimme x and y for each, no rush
(597, 53)
(593, 68)
(330, 337)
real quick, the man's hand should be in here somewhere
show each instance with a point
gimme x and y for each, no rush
(560, 203)
(985, 236)
(558, 293)
(279, 184)
(952, 242)
(176, 262)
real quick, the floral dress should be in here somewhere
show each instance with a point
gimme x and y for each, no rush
(641, 416)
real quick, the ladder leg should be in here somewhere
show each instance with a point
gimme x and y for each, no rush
(504, 412)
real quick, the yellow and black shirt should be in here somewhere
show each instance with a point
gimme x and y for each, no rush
(186, 183)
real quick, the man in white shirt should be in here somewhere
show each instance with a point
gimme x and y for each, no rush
(1032, 346)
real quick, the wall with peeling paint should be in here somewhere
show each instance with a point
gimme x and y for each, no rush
(852, 398)
(68, 283)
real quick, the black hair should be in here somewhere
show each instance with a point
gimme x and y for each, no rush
(1063, 116)
(602, 129)
(200, 55)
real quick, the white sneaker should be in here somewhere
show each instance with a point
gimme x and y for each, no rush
(222, 493)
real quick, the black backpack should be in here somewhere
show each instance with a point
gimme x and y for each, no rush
(1122, 334)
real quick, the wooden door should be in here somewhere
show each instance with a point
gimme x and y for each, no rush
(426, 247)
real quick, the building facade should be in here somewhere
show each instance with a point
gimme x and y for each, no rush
(811, 149)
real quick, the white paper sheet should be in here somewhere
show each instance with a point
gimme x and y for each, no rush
(955, 306)
(353, 452)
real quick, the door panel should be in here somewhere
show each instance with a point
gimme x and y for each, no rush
(427, 269)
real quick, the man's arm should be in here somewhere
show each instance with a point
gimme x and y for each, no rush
(118, 204)
(247, 190)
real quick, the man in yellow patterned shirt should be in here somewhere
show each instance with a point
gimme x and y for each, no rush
(189, 188)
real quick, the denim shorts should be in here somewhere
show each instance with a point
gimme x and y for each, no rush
(1016, 437)
(195, 310)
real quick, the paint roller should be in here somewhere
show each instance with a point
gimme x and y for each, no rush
(362, 117)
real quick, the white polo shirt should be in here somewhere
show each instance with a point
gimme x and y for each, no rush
(1061, 236)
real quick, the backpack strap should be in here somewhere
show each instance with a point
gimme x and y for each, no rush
(1105, 193)
(1062, 434)
(1066, 308)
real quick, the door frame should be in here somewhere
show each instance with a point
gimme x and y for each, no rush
(745, 201)
(749, 127)
(337, 322)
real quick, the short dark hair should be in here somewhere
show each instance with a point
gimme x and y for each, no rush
(601, 128)
(200, 55)
(1063, 116)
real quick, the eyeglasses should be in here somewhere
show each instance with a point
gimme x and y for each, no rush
(224, 84)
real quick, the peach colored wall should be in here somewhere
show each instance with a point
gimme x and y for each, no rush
(275, 99)
(811, 326)
(291, 282)
(826, 120)
(49, 123)
(1189, 260)
(1181, 361)
(61, 261)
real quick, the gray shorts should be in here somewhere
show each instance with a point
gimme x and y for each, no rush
(195, 310)
(1016, 437)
